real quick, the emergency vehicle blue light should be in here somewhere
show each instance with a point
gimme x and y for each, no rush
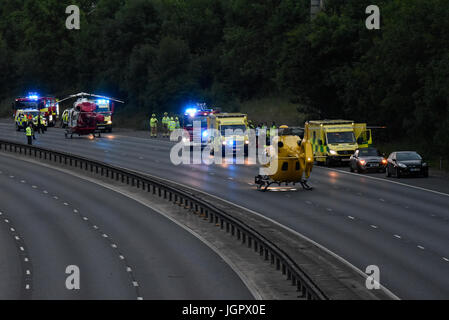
(33, 97)
(191, 111)
(205, 133)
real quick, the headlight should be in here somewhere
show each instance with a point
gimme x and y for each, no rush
(402, 165)
(333, 152)
(109, 122)
(362, 162)
(224, 143)
(246, 141)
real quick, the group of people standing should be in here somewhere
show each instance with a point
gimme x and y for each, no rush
(169, 124)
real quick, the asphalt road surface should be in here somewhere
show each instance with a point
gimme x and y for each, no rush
(50, 220)
(401, 226)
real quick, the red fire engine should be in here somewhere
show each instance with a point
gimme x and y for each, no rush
(48, 106)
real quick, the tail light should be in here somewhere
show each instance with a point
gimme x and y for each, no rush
(384, 161)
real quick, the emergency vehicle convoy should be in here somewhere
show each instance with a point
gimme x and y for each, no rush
(48, 106)
(335, 141)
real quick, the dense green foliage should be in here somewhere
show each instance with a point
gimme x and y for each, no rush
(160, 54)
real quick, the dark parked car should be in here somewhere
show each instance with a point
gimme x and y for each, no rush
(406, 163)
(367, 159)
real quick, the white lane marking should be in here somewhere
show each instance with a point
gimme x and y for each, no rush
(75, 211)
(45, 191)
(139, 298)
(28, 272)
(23, 181)
(55, 197)
(34, 187)
(445, 259)
(27, 287)
(389, 181)
(66, 204)
(6, 220)
(230, 178)
(421, 247)
(114, 246)
(95, 227)
(381, 200)
(12, 177)
(12, 230)
(309, 202)
(135, 284)
(329, 209)
(351, 217)
(121, 257)
(105, 235)
(22, 248)
(128, 269)
(373, 226)
(397, 236)
(25, 259)
(17, 238)
(85, 218)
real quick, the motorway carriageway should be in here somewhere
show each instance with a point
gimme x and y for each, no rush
(123, 249)
(398, 225)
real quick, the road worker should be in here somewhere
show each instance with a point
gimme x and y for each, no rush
(29, 134)
(153, 125)
(165, 123)
(178, 124)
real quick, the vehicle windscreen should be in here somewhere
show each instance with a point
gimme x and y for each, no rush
(369, 153)
(234, 127)
(26, 105)
(404, 156)
(33, 114)
(340, 137)
(188, 121)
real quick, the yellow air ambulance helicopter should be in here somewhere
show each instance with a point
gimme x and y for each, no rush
(294, 159)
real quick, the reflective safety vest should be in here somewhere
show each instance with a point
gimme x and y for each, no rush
(165, 120)
(153, 122)
(178, 125)
(28, 132)
(171, 125)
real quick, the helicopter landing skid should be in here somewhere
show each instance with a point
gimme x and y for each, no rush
(263, 183)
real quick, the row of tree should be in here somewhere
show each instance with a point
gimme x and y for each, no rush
(161, 54)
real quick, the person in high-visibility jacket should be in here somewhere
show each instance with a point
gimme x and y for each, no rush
(171, 125)
(165, 123)
(29, 134)
(178, 124)
(153, 126)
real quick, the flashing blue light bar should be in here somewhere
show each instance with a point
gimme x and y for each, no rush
(205, 133)
(33, 96)
(103, 101)
(191, 111)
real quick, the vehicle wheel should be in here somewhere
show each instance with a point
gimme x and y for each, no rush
(398, 174)
(387, 172)
(328, 162)
(351, 168)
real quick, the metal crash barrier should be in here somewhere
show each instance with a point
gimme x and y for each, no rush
(242, 232)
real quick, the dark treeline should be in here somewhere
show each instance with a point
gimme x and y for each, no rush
(160, 54)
